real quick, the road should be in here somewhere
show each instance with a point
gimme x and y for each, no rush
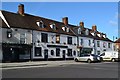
(93, 70)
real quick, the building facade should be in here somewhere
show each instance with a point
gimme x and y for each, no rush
(30, 37)
(117, 45)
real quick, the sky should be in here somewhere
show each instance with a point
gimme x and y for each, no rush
(102, 14)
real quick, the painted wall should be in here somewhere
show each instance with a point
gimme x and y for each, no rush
(16, 36)
(52, 38)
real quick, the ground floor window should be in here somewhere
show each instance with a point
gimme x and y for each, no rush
(98, 52)
(38, 51)
(57, 51)
(86, 51)
(74, 53)
(52, 52)
(69, 52)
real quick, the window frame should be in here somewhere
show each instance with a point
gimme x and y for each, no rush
(44, 37)
(69, 40)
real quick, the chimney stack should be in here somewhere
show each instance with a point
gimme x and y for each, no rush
(65, 20)
(21, 9)
(81, 24)
(94, 28)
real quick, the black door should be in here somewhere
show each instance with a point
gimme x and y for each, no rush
(63, 54)
(7, 54)
(46, 54)
(15, 54)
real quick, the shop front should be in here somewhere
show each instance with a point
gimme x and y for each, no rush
(16, 52)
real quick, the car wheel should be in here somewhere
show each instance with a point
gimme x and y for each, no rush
(89, 61)
(113, 60)
(76, 60)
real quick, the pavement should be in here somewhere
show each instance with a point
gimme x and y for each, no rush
(36, 64)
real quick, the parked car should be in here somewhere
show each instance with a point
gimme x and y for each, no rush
(110, 56)
(88, 58)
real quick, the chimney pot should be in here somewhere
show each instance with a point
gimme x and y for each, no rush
(81, 24)
(65, 20)
(94, 28)
(21, 9)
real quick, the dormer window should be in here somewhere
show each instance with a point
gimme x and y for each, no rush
(99, 35)
(40, 24)
(64, 28)
(79, 30)
(104, 35)
(53, 26)
(87, 32)
(68, 30)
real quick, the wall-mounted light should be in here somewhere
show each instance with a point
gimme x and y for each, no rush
(9, 34)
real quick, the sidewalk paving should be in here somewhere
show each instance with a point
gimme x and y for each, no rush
(35, 63)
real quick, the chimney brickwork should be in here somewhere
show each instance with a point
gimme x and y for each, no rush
(21, 9)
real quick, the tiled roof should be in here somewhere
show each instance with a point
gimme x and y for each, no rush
(117, 41)
(28, 21)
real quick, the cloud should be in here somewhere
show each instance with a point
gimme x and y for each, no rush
(113, 23)
(114, 20)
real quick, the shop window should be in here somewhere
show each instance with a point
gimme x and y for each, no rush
(38, 51)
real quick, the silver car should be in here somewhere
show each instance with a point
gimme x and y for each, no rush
(88, 58)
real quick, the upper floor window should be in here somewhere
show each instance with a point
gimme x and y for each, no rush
(87, 32)
(81, 41)
(104, 44)
(69, 40)
(52, 25)
(40, 24)
(89, 42)
(23, 38)
(79, 30)
(98, 43)
(44, 37)
(109, 45)
(57, 38)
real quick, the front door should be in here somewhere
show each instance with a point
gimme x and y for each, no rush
(63, 54)
(46, 54)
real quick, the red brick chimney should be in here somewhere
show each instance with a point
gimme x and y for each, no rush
(94, 28)
(21, 9)
(65, 20)
(81, 24)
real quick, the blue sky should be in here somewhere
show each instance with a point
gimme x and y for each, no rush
(102, 14)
